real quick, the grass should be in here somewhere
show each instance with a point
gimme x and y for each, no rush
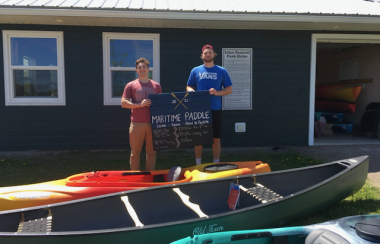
(365, 201)
(27, 169)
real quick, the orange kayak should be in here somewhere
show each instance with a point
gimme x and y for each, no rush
(338, 93)
(104, 182)
(335, 106)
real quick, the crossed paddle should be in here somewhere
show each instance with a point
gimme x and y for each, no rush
(180, 101)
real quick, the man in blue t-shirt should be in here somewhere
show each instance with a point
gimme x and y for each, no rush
(215, 79)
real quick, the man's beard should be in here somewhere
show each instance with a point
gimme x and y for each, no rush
(208, 60)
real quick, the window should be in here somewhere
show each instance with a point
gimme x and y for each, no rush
(120, 52)
(33, 68)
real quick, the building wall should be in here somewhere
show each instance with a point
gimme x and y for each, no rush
(281, 74)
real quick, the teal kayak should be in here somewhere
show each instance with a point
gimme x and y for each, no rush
(360, 229)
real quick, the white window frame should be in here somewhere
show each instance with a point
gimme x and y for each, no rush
(10, 99)
(107, 69)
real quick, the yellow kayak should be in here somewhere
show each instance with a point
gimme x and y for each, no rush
(338, 93)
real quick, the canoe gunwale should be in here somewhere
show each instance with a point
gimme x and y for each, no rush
(122, 193)
(335, 177)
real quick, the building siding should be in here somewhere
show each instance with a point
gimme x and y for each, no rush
(280, 89)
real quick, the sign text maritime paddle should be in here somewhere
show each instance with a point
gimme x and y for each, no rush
(181, 119)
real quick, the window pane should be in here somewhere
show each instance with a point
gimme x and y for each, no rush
(34, 51)
(35, 83)
(121, 78)
(124, 53)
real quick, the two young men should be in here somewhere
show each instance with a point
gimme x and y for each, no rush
(208, 76)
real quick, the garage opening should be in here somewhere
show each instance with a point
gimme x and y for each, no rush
(346, 94)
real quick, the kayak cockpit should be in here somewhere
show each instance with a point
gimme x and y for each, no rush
(122, 179)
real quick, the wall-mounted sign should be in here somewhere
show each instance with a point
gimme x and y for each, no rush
(181, 119)
(349, 69)
(238, 63)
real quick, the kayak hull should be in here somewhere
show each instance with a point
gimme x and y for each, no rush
(338, 93)
(335, 106)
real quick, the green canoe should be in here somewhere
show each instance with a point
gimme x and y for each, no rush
(167, 213)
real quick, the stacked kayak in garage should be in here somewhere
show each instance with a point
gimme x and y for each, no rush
(334, 101)
(338, 93)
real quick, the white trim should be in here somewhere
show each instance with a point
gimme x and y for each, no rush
(34, 67)
(147, 14)
(329, 38)
(10, 100)
(313, 64)
(107, 86)
(347, 38)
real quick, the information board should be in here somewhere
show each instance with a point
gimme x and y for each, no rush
(349, 69)
(238, 63)
(181, 119)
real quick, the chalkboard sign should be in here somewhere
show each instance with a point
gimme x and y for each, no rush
(181, 119)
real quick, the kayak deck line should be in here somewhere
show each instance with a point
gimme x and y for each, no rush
(36, 225)
(131, 211)
(261, 193)
(185, 199)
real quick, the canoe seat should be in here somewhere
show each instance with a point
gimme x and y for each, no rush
(323, 236)
(261, 193)
(36, 225)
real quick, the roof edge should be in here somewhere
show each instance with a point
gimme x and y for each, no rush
(182, 15)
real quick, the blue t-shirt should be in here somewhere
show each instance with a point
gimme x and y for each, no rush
(203, 79)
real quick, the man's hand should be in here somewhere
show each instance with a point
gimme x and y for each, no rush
(223, 92)
(145, 102)
(190, 89)
(213, 91)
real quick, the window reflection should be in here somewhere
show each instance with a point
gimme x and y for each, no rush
(33, 51)
(121, 78)
(35, 83)
(124, 53)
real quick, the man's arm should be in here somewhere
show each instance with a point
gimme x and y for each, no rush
(225, 91)
(126, 103)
